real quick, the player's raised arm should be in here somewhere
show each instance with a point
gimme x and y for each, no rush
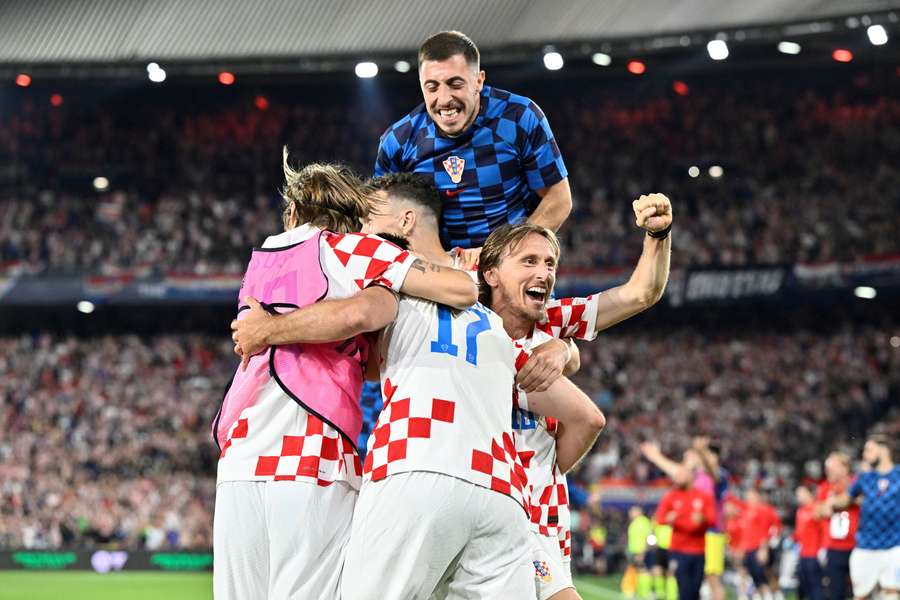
(647, 283)
(443, 285)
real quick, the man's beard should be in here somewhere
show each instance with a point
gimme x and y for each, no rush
(397, 240)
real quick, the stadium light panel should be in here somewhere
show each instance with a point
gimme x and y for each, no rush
(877, 35)
(226, 78)
(601, 60)
(718, 49)
(789, 47)
(636, 67)
(23, 80)
(694, 171)
(366, 70)
(401, 66)
(101, 184)
(681, 88)
(261, 102)
(56, 100)
(85, 306)
(716, 171)
(842, 55)
(553, 61)
(865, 292)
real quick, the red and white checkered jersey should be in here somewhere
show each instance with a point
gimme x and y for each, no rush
(536, 434)
(276, 438)
(447, 384)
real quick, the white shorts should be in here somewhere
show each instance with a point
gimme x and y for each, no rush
(280, 539)
(560, 566)
(421, 533)
(869, 568)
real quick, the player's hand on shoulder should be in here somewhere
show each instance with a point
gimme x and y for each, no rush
(652, 212)
(467, 259)
(248, 333)
(544, 366)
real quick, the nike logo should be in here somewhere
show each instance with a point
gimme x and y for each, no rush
(452, 193)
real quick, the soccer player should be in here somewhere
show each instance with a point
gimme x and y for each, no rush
(876, 559)
(707, 475)
(690, 512)
(840, 533)
(759, 524)
(809, 535)
(639, 553)
(490, 152)
(288, 471)
(517, 271)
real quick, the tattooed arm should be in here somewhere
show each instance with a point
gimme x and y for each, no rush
(440, 284)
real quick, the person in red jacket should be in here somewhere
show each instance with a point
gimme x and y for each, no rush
(759, 524)
(690, 513)
(840, 526)
(809, 535)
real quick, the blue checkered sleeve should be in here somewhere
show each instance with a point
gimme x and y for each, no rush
(541, 159)
(389, 152)
(371, 404)
(856, 488)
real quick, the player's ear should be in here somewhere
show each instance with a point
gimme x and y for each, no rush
(491, 278)
(408, 221)
(479, 81)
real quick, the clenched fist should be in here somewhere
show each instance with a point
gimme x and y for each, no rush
(652, 212)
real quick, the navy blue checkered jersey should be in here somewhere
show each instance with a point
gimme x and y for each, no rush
(488, 176)
(370, 402)
(879, 518)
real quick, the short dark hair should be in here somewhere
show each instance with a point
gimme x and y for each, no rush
(412, 187)
(446, 44)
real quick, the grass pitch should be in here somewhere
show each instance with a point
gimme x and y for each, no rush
(138, 585)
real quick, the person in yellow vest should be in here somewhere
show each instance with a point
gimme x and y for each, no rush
(664, 585)
(637, 575)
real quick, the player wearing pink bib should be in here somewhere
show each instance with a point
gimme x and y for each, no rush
(288, 471)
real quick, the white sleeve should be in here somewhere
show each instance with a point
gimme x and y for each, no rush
(366, 260)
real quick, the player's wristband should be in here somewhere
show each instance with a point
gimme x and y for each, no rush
(662, 234)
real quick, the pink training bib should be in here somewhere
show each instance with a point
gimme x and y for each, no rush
(325, 379)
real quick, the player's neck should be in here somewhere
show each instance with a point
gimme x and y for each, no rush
(429, 247)
(885, 466)
(516, 326)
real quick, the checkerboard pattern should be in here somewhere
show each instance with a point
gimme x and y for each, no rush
(398, 429)
(547, 504)
(238, 431)
(320, 454)
(571, 317)
(367, 257)
(565, 542)
(501, 470)
(507, 155)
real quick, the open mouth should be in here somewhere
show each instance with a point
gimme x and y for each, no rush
(537, 294)
(449, 114)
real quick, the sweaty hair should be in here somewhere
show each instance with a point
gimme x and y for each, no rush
(329, 196)
(500, 243)
(414, 188)
(447, 44)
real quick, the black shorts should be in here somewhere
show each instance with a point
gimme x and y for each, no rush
(662, 558)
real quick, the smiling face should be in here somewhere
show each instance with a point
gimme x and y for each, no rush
(451, 89)
(523, 280)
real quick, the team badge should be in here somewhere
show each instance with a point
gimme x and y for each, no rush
(454, 167)
(542, 571)
(883, 485)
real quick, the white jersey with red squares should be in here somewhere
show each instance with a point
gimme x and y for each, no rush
(276, 438)
(447, 382)
(536, 434)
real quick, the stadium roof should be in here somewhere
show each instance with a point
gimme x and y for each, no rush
(116, 31)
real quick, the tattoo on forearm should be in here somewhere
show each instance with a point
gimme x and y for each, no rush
(421, 265)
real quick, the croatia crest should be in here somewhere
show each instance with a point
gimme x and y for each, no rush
(542, 571)
(454, 167)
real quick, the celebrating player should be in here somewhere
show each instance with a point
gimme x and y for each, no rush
(288, 470)
(491, 153)
(876, 559)
(840, 532)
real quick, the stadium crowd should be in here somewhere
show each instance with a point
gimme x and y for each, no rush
(106, 440)
(193, 187)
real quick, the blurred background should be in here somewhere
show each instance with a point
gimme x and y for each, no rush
(140, 160)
